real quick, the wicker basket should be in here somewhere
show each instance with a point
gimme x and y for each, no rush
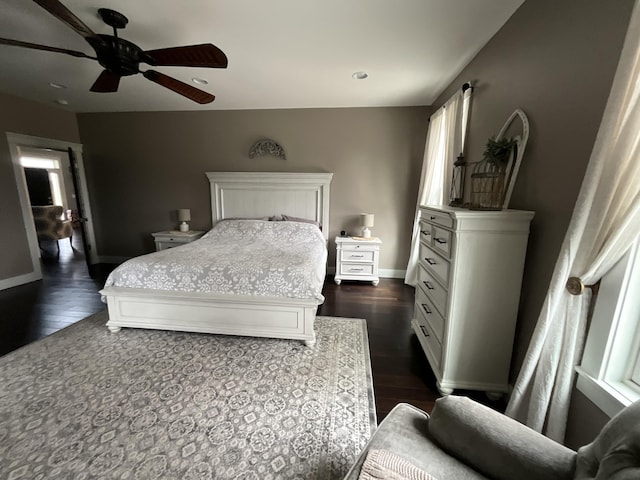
(487, 186)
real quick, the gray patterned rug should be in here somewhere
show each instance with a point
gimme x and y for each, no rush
(140, 404)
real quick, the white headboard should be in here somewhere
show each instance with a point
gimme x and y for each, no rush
(262, 194)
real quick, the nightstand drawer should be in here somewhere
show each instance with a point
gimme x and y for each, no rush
(356, 255)
(361, 247)
(436, 292)
(442, 241)
(356, 269)
(438, 218)
(434, 263)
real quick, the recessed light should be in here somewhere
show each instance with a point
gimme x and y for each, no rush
(360, 75)
(199, 81)
(62, 101)
(57, 85)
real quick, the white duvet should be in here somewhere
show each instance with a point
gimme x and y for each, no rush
(243, 257)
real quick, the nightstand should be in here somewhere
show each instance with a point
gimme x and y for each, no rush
(174, 238)
(357, 259)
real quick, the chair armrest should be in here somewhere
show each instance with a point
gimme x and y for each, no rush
(497, 445)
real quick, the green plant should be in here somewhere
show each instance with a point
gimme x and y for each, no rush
(497, 151)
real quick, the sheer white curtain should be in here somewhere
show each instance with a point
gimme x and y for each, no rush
(606, 220)
(441, 148)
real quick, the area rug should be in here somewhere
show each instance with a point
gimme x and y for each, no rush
(141, 404)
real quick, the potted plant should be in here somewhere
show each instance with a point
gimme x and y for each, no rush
(497, 152)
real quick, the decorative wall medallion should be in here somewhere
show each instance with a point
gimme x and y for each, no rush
(267, 147)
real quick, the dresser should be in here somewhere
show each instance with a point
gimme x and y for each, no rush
(174, 238)
(466, 300)
(357, 259)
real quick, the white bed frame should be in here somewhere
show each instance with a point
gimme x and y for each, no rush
(235, 195)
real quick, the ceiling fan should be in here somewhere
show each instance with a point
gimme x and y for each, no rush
(121, 58)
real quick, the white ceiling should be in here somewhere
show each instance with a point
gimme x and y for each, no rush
(282, 53)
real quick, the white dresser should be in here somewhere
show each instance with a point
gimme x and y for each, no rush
(357, 259)
(468, 291)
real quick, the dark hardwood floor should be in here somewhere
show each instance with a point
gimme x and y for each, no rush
(68, 292)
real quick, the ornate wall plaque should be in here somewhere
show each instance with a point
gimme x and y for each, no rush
(267, 147)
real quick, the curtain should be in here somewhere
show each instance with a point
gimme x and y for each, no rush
(442, 145)
(605, 222)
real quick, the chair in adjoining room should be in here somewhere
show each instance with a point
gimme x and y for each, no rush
(463, 439)
(50, 226)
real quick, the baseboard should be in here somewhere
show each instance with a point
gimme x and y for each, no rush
(113, 259)
(19, 280)
(382, 273)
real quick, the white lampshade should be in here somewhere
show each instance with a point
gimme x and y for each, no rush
(366, 219)
(184, 215)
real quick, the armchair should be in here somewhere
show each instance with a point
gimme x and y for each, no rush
(48, 224)
(463, 439)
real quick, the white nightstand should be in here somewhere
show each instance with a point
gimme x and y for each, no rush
(174, 238)
(357, 259)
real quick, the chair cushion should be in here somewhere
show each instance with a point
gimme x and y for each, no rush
(405, 432)
(615, 453)
(497, 445)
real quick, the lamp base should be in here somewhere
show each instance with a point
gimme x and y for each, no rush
(184, 227)
(366, 233)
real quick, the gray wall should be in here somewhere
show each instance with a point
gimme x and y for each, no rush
(28, 118)
(556, 61)
(141, 167)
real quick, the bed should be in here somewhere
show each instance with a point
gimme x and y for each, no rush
(235, 196)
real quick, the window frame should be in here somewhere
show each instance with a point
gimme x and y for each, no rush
(613, 338)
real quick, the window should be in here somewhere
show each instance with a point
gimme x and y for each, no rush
(609, 374)
(56, 182)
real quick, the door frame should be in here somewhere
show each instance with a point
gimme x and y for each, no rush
(16, 141)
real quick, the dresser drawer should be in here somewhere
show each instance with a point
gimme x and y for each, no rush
(429, 313)
(356, 269)
(436, 292)
(438, 218)
(425, 232)
(356, 255)
(434, 263)
(442, 241)
(429, 340)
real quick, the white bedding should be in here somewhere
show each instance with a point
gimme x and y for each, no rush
(242, 257)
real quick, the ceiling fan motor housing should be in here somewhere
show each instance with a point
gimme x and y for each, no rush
(119, 55)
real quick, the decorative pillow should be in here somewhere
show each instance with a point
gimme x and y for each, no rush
(276, 218)
(288, 218)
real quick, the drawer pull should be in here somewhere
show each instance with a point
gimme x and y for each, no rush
(441, 240)
(356, 269)
(426, 309)
(428, 285)
(424, 331)
(426, 233)
(430, 261)
(432, 218)
(357, 256)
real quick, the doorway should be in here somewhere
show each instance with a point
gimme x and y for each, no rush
(68, 187)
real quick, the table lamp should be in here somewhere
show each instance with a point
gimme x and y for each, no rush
(184, 215)
(366, 220)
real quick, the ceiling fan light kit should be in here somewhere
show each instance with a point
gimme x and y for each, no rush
(122, 58)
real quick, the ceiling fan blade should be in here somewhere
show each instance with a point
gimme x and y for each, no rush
(205, 55)
(35, 46)
(179, 87)
(106, 82)
(62, 13)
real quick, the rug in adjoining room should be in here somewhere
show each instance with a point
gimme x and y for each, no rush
(142, 404)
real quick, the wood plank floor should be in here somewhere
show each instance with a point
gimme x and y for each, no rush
(69, 292)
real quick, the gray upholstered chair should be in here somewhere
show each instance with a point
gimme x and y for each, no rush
(49, 225)
(463, 439)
